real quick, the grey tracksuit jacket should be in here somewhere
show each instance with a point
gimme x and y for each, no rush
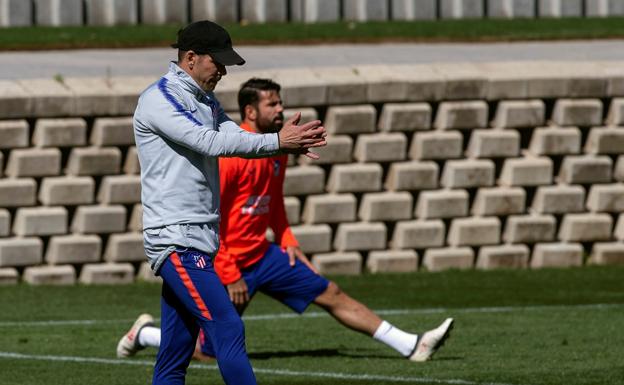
(180, 132)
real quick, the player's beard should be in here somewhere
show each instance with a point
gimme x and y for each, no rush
(271, 126)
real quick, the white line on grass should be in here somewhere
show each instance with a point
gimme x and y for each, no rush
(275, 372)
(314, 314)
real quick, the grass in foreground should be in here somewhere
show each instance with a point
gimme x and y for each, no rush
(512, 327)
(43, 38)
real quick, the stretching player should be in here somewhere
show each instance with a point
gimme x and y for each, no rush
(252, 201)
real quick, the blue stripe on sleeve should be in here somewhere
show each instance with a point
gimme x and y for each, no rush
(162, 86)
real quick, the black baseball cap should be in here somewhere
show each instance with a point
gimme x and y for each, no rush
(205, 37)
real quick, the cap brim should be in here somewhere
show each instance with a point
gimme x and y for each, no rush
(227, 57)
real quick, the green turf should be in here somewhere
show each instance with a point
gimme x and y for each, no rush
(295, 33)
(512, 327)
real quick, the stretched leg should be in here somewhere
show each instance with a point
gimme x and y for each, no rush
(348, 311)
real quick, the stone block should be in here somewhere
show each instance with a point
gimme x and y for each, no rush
(519, 113)
(557, 255)
(264, 11)
(107, 274)
(499, 201)
(313, 238)
(400, 83)
(605, 140)
(164, 11)
(50, 275)
(5, 223)
(48, 98)
(414, 9)
(112, 132)
(220, 11)
(15, 13)
(606, 198)
(131, 164)
(560, 8)
(350, 119)
(304, 180)
(607, 254)
(67, 190)
(292, 206)
(468, 173)
(405, 117)
(15, 101)
(126, 91)
(436, 145)
(392, 261)
(474, 231)
(461, 115)
(99, 219)
(20, 251)
(530, 229)
(615, 117)
(559, 199)
(577, 112)
(555, 141)
(13, 134)
(9, 276)
(386, 206)
(585, 227)
(79, 249)
(136, 218)
(40, 221)
(604, 8)
(147, 274)
(360, 236)
(442, 204)
(418, 234)
(329, 208)
(338, 150)
(411, 176)
(60, 132)
(526, 172)
(448, 258)
(314, 11)
(349, 263)
(126, 247)
(619, 228)
(94, 161)
(344, 85)
(467, 9)
(494, 144)
(57, 13)
(503, 257)
(34, 162)
(464, 82)
(585, 169)
(307, 114)
(385, 147)
(17, 192)
(618, 173)
(355, 178)
(111, 12)
(92, 96)
(365, 10)
(511, 9)
(120, 189)
(301, 87)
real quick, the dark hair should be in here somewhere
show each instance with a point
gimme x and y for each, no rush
(249, 93)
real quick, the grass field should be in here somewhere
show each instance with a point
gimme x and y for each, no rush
(31, 38)
(512, 327)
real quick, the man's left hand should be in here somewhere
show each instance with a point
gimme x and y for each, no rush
(295, 253)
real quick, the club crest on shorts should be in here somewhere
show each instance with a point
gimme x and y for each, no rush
(199, 261)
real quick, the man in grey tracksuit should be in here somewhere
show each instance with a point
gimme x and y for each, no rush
(180, 131)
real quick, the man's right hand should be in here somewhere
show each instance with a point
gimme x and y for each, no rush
(239, 295)
(297, 139)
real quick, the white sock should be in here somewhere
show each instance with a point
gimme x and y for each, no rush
(149, 336)
(396, 338)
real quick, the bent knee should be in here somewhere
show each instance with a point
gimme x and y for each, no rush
(330, 296)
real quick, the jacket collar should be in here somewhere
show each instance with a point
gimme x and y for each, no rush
(186, 81)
